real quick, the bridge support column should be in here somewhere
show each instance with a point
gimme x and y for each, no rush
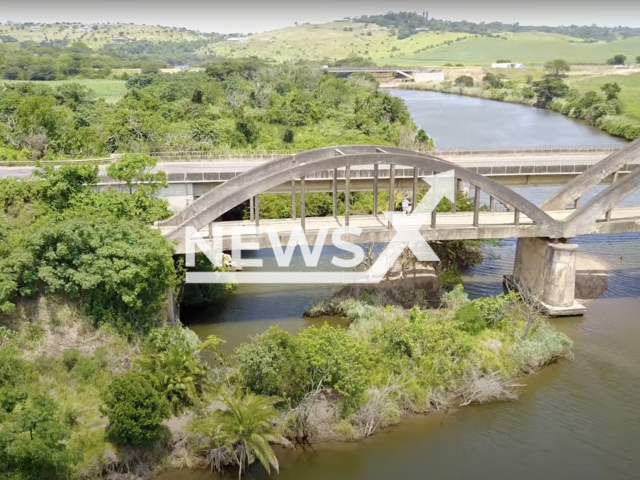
(545, 272)
(463, 186)
(173, 308)
(189, 196)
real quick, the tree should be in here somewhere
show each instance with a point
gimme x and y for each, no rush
(638, 59)
(464, 81)
(244, 430)
(557, 67)
(135, 411)
(33, 442)
(119, 269)
(617, 60)
(62, 185)
(134, 169)
(611, 90)
(548, 89)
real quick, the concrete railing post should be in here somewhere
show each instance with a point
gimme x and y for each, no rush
(375, 189)
(347, 194)
(392, 192)
(293, 198)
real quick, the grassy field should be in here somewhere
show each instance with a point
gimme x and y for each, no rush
(528, 48)
(331, 41)
(98, 37)
(630, 84)
(110, 90)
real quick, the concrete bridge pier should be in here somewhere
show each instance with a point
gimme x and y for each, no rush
(463, 186)
(545, 271)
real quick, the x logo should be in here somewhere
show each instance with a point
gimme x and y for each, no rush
(408, 227)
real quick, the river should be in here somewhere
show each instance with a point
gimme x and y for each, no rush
(576, 419)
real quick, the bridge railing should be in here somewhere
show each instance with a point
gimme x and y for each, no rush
(266, 155)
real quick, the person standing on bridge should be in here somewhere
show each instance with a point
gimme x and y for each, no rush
(406, 205)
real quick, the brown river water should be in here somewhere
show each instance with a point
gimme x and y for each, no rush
(578, 419)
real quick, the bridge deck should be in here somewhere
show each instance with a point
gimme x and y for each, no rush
(449, 226)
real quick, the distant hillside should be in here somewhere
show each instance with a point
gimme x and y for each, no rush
(338, 40)
(410, 23)
(97, 35)
(333, 41)
(399, 39)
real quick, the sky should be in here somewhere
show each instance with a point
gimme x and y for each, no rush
(252, 16)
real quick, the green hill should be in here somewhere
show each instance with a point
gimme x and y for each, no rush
(332, 41)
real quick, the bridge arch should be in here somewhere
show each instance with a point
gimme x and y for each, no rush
(239, 189)
(574, 189)
(585, 219)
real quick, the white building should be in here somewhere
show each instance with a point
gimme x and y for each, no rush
(507, 65)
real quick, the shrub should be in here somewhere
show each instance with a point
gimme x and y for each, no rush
(135, 411)
(544, 345)
(172, 364)
(464, 81)
(470, 319)
(274, 364)
(337, 360)
(70, 358)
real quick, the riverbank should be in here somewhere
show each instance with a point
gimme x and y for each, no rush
(606, 116)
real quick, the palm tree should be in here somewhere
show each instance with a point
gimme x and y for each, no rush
(247, 429)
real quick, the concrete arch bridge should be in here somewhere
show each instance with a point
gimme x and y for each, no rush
(545, 257)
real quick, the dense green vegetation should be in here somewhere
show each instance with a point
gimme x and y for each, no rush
(235, 105)
(32, 61)
(61, 236)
